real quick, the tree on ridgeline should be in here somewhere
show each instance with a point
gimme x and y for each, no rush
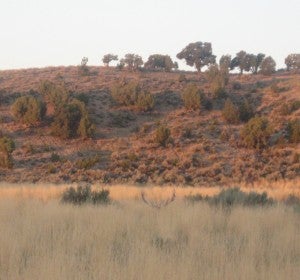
(109, 58)
(198, 55)
(160, 62)
(292, 61)
(268, 66)
(132, 61)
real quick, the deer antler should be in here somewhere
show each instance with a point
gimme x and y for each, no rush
(158, 204)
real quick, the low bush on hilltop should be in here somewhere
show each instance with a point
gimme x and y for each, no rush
(85, 195)
(28, 110)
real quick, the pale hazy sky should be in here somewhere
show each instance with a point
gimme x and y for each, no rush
(37, 33)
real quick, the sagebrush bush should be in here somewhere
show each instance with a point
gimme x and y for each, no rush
(162, 135)
(71, 120)
(233, 197)
(85, 194)
(231, 113)
(130, 94)
(53, 93)
(28, 110)
(246, 111)
(7, 146)
(87, 163)
(293, 130)
(125, 93)
(256, 133)
(145, 102)
(192, 97)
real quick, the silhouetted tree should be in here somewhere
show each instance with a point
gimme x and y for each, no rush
(197, 55)
(132, 61)
(268, 66)
(292, 61)
(225, 62)
(160, 62)
(109, 58)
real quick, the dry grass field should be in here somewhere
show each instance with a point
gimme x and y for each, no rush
(129, 240)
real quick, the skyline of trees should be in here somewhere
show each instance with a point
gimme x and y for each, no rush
(199, 55)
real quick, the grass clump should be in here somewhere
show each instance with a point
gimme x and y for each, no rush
(85, 195)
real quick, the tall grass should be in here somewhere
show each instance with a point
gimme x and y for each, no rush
(129, 240)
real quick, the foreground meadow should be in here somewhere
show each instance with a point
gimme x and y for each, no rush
(129, 240)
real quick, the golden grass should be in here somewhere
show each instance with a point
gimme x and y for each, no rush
(129, 240)
(45, 192)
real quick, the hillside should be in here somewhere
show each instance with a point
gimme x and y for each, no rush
(204, 149)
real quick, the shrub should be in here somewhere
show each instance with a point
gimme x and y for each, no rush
(163, 135)
(7, 146)
(145, 102)
(231, 112)
(55, 157)
(72, 120)
(294, 131)
(87, 163)
(125, 94)
(192, 97)
(182, 78)
(53, 93)
(256, 133)
(28, 109)
(246, 111)
(131, 94)
(233, 197)
(84, 194)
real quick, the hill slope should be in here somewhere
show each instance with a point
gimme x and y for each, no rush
(204, 150)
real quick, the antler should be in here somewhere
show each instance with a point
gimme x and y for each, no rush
(158, 204)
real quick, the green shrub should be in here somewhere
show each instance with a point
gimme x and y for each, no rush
(125, 93)
(233, 197)
(71, 120)
(231, 112)
(87, 163)
(28, 109)
(84, 194)
(55, 157)
(192, 97)
(256, 133)
(54, 94)
(145, 102)
(7, 146)
(246, 111)
(163, 135)
(293, 130)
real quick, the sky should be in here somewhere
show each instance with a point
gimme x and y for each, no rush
(40, 33)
